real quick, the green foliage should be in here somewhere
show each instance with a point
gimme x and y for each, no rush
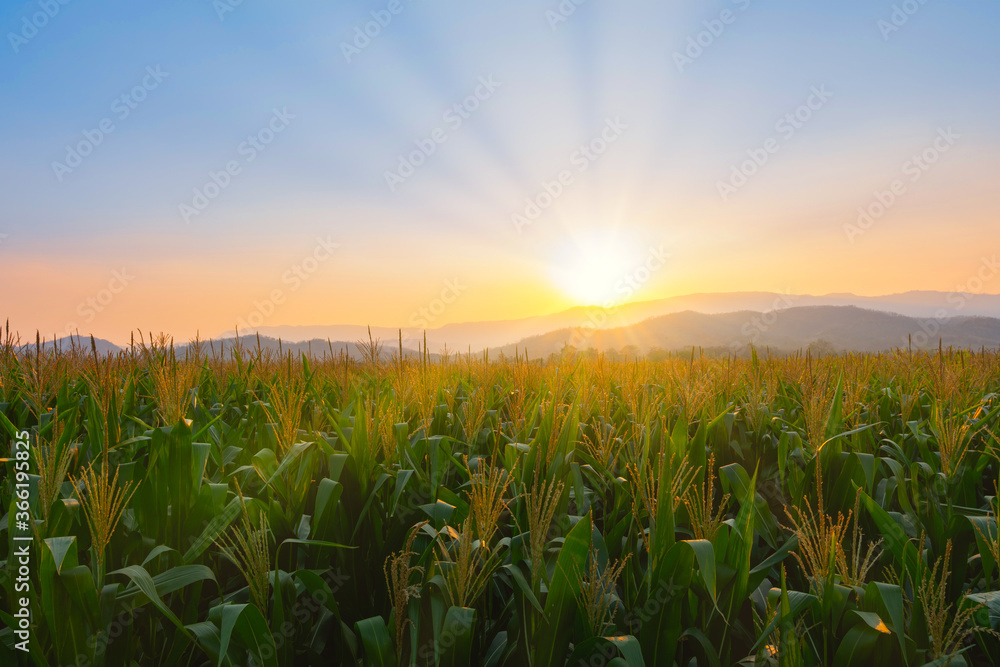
(779, 511)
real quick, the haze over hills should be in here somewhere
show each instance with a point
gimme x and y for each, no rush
(847, 321)
(480, 335)
(833, 328)
(223, 347)
(829, 328)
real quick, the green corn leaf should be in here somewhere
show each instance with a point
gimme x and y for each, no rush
(457, 637)
(249, 625)
(560, 605)
(376, 641)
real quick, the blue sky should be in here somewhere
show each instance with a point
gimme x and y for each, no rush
(324, 174)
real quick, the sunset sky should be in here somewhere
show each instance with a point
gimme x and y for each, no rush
(182, 166)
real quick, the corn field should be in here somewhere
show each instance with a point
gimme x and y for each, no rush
(244, 507)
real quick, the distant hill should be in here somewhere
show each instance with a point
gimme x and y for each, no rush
(845, 328)
(223, 347)
(67, 343)
(315, 348)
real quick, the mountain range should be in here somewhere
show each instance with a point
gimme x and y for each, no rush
(731, 320)
(827, 328)
(494, 334)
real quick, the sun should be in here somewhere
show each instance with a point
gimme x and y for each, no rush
(592, 270)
